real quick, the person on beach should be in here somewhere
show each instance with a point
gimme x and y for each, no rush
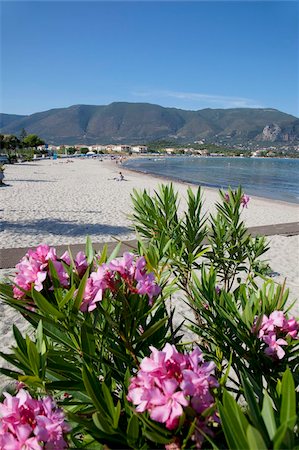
(120, 177)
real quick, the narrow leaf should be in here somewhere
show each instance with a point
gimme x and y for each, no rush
(255, 439)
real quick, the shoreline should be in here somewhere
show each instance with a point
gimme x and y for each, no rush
(168, 178)
(203, 186)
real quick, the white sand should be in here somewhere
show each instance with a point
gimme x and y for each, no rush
(60, 203)
(56, 202)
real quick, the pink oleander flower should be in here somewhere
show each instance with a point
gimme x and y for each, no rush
(273, 329)
(42, 254)
(96, 284)
(30, 424)
(80, 262)
(167, 402)
(147, 286)
(274, 348)
(245, 199)
(174, 445)
(66, 258)
(291, 327)
(124, 266)
(61, 273)
(29, 274)
(226, 197)
(168, 381)
(126, 271)
(32, 270)
(276, 319)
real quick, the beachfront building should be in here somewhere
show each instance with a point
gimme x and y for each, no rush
(170, 150)
(98, 148)
(139, 149)
(119, 148)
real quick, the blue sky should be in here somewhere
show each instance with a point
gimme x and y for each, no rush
(188, 55)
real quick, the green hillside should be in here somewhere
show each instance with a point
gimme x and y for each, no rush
(143, 122)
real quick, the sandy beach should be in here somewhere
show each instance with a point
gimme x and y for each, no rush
(60, 202)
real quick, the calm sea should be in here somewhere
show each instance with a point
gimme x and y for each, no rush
(272, 178)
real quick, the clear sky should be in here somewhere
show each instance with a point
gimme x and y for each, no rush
(188, 55)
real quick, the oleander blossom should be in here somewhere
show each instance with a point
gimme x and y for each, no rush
(33, 269)
(245, 199)
(169, 381)
(126, 270)
(30, 424)
(80, 261)
(274, 330)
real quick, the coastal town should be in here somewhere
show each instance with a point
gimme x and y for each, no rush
(31, 146)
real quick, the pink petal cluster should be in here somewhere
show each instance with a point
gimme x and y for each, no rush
(226, 197)
(33, 269)
(273, 329)
(29, 424)
(80, 261)
(126, 269)
(245, 199)
(168, 381)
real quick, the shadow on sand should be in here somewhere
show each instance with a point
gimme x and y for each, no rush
(62, 228)
(34, 181)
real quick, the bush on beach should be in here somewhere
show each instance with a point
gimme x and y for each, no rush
(109, 361)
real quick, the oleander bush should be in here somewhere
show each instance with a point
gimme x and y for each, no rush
(105, 364)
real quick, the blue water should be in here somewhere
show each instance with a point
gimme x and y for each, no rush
(271, 178)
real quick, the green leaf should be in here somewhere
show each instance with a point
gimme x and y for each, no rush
(33, 356)
(31, 381)
(67, 297)
(288, 399)
(150, 331)
(80, 293)
(255, 439)
(89, 250)
(116, 415)
(155, 437)
(102, 423)
(115, 252)
(87, 340)
(279, 436)
(133, 431)
(108, 400)
(57, 333)
(268, 416)
(54, 276)
(46, 307)
(40, 342)
(92, 386)
(10, 373)
(234, 422)
(21, 342)
(103, 255)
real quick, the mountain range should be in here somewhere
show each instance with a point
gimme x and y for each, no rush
(122, 122)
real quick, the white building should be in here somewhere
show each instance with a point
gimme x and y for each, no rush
(139, 149)
(119, 148)
(98, 148)
(170, 150)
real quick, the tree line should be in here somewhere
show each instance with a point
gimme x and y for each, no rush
(11, 144)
